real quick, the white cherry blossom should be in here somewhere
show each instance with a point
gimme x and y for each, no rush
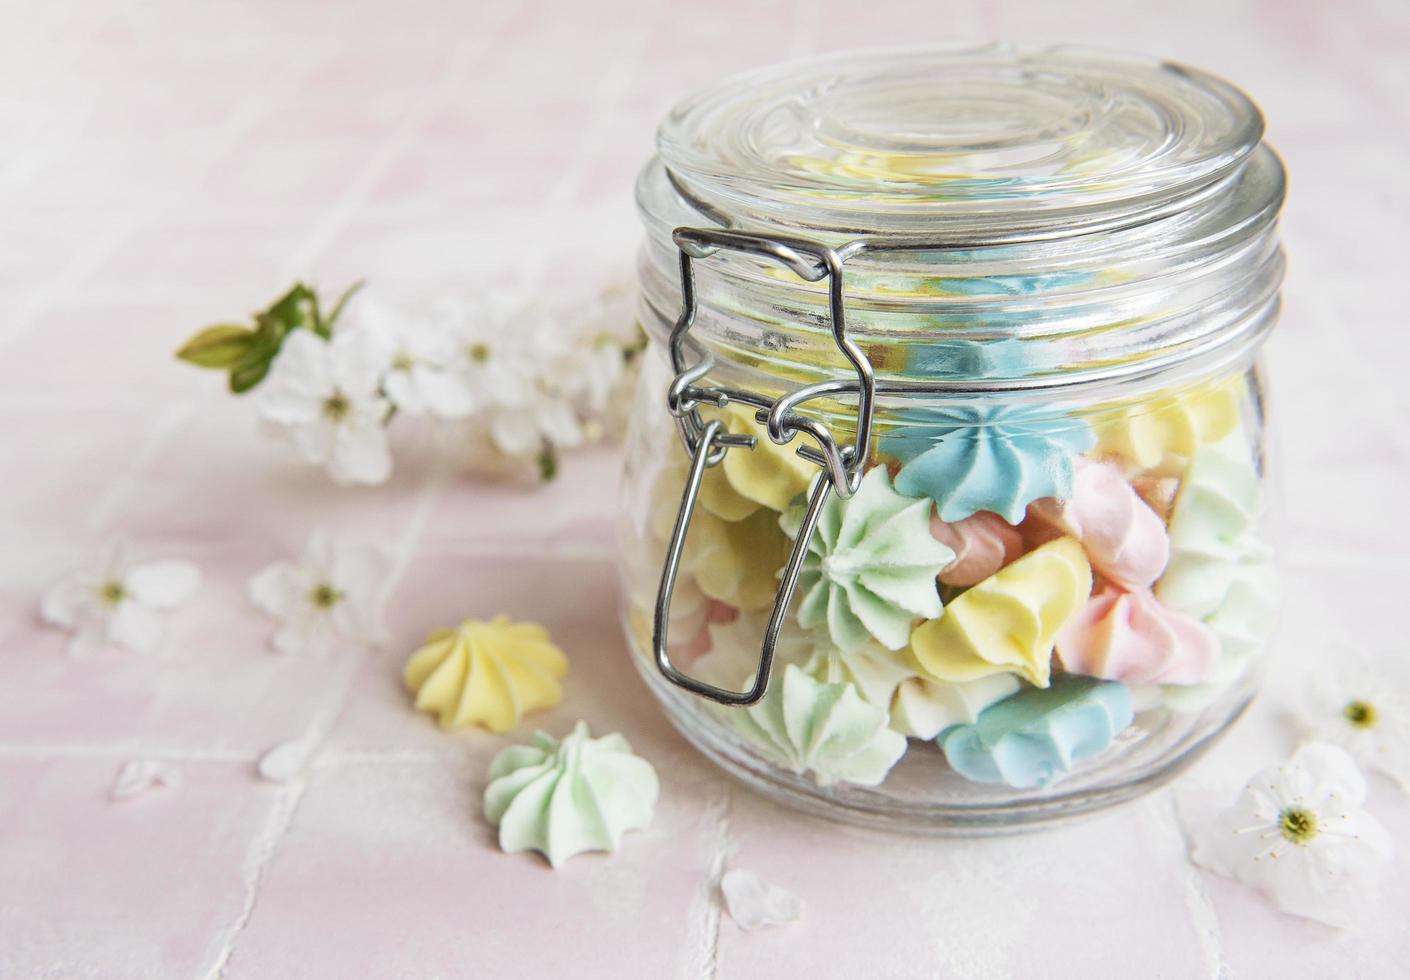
(420, 354)
(1298, 834)
(1364, 710)
(324, 397)
(116, 600)
(337, 589)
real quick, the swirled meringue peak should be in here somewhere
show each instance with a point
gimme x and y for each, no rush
(1035, 737)
(486, 673)
(1125, 540)
(871, 566)
(1008, 622)
(1132, 637)
(564, 798)
(983, 543)
(827, 729)
(975, 457)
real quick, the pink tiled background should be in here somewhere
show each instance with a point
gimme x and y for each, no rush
(166, 164)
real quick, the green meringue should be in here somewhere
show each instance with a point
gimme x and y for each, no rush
(871, 567)
(808, 725)
(1220, 571)
(564, 798)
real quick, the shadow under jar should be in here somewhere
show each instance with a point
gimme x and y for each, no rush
(950, 437)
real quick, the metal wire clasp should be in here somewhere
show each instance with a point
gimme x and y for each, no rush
(707, 444)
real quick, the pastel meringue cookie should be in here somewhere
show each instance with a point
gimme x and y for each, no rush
(810, 726)
(1131, 637)
(874, 671)
(1009, 622)
(1159, 432)
(486, 673)
(1125, 540)
(1212, 530)
(731, 658)
(983, 543)
(737, 562)
(871, 566)
(1243, 622)
(1034, 738)
(768, 475)
(565, 798)
(924, 708)
(975, 457)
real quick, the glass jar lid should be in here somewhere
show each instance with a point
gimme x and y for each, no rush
(1012, 221)
(984, 139)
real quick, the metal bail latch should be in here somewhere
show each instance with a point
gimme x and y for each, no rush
(707, 444)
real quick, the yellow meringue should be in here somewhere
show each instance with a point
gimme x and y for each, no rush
(1009, 621)
(1161, 432)
(737, 562)
(488, 674)
(769, 475)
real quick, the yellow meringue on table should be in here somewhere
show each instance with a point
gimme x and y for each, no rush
(486, 673)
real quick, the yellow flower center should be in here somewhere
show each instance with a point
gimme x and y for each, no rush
(479, 353)
(325, 596)
(113, 593)
(1360, 713)
(336, 406)
(403, 362)
(1298, 825)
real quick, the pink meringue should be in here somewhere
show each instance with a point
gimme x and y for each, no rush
(983, 543)
(1125, 539)
(1132, 637)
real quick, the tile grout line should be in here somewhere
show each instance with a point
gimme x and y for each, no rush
(265, 847)
(705, 911)
(1203, 914)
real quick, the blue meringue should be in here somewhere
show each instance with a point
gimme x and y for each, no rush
(1034, 738)
(999, 458)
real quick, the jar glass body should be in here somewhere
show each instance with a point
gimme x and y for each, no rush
(1050, 586)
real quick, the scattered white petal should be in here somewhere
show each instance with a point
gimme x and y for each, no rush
(141, 775)
(112, 600)
(1363, 707)
(1298, 834)
(753, 902)
(337, 589)
(284, 761)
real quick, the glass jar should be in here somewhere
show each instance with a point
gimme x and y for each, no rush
(951, 439)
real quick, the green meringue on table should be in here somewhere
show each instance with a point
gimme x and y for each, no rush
(809, 725)
(562, 798)
(871, 566)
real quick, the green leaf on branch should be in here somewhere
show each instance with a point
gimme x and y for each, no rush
(221, 346)
(248, 352)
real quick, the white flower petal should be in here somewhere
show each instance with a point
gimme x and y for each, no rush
(88, 641)
(163, 584)
(277, 589)
(284, 761)
(67, 602)
(135, 627)
(141, 775)
(357, 360)
(515, 434)
(444, 394)
(301, 371)
(752, 902)
(360, 455)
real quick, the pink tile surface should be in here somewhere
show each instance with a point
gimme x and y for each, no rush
(171, 164)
